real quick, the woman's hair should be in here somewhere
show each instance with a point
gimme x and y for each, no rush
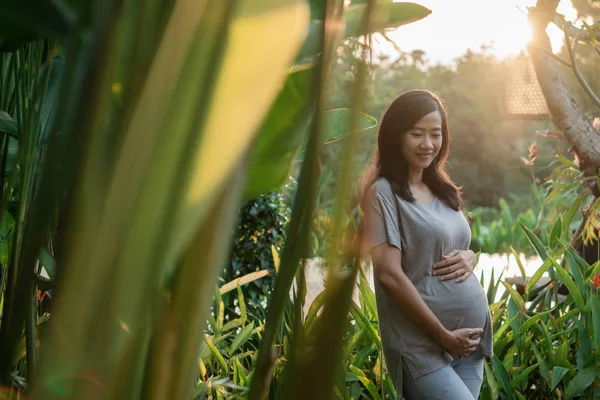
(388, 162)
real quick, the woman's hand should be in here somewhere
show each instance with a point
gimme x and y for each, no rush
(457, 264)
(461, 342)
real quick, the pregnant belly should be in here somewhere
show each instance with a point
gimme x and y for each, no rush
(457, 305)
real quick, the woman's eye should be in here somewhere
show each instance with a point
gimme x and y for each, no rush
(415, 134)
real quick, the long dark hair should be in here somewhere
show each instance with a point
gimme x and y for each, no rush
(388, 162)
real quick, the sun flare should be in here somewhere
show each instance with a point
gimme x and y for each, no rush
(458, 25)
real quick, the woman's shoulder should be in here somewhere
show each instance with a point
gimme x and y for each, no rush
(380, 190)
(382, 187)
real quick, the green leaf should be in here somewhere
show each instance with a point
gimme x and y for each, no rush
(235, 323)
(535, 241)
(565, 161)
(542, 360)
(336, 126)
(504, 328)
(325, 338)
(368, 296)
(491, 380)
(577, 266)
(523, 375)
(52, 72)
(570, 284)
(314, 308)
(550, 353)
(502, 376)
(241, 374)
(384, 15)
(520, 264)
(366, 382)
(23, 21)
(560, 358)
(242, 304)
(364, 323)
(281, 134)
(514, 295)
(531, 321)
(241, 338)
(548, 262)
(556, 233)
(317, 9)
(557, 375)
(573, 209)
(596, 321)
(7, 226)
(217, 354)
(296, 244)
(580, 382)
(47, 260)
(353, 341)
(519, 395)
(7, 124)
(493, 287)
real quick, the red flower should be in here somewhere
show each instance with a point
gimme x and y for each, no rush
(596, 282)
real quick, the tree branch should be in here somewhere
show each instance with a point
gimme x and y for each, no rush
(551, 54)
(572, 51)
(566, 114)
(585, 35)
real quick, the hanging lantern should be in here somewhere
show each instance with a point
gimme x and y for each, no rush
(523, 97)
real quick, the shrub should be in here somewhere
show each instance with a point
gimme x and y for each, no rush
(262, 223)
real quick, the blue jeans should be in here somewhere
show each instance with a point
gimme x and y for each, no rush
(461, 380)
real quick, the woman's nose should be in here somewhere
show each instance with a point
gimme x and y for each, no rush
(426, 143)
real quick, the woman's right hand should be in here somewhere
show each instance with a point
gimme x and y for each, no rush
(461, 342)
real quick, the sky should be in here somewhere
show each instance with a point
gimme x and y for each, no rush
(457, 25)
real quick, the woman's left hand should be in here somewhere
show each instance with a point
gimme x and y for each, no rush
(458, 264)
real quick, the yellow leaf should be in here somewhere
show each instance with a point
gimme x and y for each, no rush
(276, 259)
(263, 41)
(229, 286)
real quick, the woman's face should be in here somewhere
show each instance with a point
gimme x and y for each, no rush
(422, 143)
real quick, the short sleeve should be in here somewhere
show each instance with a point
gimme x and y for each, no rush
(382, 222)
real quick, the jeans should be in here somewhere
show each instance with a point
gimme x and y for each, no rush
(461, 380)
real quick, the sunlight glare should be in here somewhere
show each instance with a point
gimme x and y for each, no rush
(458, 25)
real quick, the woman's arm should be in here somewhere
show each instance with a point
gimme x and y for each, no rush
(386, 264)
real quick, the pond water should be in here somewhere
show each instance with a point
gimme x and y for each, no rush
(507, 266)
(501, 264)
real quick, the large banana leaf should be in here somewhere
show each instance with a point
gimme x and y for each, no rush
(281, 134)
(385, 14)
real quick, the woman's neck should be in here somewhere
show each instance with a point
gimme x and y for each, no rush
(415, 177)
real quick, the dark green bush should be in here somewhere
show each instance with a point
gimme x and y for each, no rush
(262, 223)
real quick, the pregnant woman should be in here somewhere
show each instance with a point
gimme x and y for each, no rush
(434, 318)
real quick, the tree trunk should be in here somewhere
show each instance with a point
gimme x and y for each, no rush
(566, 114)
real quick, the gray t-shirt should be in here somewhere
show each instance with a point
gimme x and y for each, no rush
(424, 232)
